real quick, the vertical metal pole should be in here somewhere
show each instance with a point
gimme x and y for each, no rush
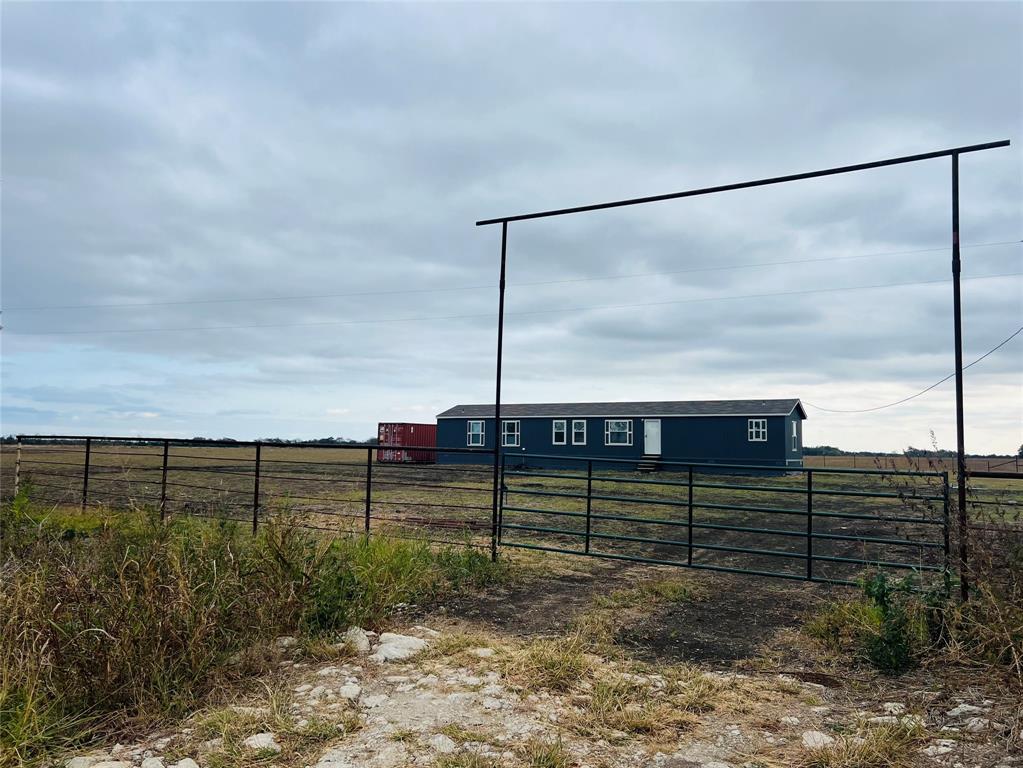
(689, 557)
(957, 312)
(163, 482)
(17, 467)
(589, 501)
(85, 476)
(369, 486)
(255, 492)
(944, 516)
(497, 392)
(809, 525)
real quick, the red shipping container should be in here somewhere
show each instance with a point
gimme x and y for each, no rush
(399, 437)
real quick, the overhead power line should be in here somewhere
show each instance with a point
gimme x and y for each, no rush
(355, 294)
(560, 310)
(991, 351)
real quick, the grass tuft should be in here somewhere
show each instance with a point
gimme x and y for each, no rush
(119, 623)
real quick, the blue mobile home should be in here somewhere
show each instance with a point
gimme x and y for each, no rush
(762, 432)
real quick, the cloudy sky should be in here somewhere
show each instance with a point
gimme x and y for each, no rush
(258, 220)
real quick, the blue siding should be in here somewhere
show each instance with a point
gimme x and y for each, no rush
(717, 439)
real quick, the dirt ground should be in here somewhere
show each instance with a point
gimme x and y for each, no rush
(751, 609)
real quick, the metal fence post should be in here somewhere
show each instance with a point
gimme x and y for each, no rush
(369, 486)
(945, 495)
(163, 482)
(17, 468)
(589, 501)
(85, 475)
(689, 555)
(255, 491)
(809, 525)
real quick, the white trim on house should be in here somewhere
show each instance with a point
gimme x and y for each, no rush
(608, 431)
(756, 431)
(643, 416)
(578, 421)
(515, 433)
(470, 435)
(563, 430)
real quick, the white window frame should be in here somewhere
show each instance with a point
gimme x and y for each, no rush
(608, 431)
(515, 432)
(564, 432)
(756, 430)
(574, 422)
(469, 434)
(795, 435)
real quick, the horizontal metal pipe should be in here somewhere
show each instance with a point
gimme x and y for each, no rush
(665, 542)
(243, 443)
(749, 184)
(778, 468)
(699, 566)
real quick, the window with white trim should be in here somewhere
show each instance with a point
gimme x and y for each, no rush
(510, 432)
(474, 434)
(756, 430)
(618, 432)
(559, 432)
(795, 435)
(578, 431)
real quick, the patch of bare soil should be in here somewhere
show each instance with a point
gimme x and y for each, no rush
(732, 619)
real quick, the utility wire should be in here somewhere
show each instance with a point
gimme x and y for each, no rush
(718, 268)
(994, 349)
(517, 314)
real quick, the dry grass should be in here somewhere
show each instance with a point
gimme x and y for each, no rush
(109, 630)
(552, 664)
(886, 746)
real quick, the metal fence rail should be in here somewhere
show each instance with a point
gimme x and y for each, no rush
(807, 523)
(324, 486)
(812, 524)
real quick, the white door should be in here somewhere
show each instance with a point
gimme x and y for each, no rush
(652, 436)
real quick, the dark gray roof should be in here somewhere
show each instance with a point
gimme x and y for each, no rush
(647, 408)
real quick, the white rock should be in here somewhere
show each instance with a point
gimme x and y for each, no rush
(427, 631)
(262, 741)
(112, 764)
(357, 639)
(977, 724)
(328, 671)
(483, 653)
(489, 702)
(86, 761)
(152, 762)
(185, 763)
(441, 743)
(394, 647)
(286, 641)
(964, 709)
(816, 739)
(335, 758)
(883, 720)
(303, 688)
(893, 708)
(936, 750)
(349, 691)
(790, 720)
(371, 702)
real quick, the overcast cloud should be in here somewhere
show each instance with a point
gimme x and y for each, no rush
(158, 153)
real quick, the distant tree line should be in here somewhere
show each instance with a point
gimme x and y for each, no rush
(11, 439)
(912, 452)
